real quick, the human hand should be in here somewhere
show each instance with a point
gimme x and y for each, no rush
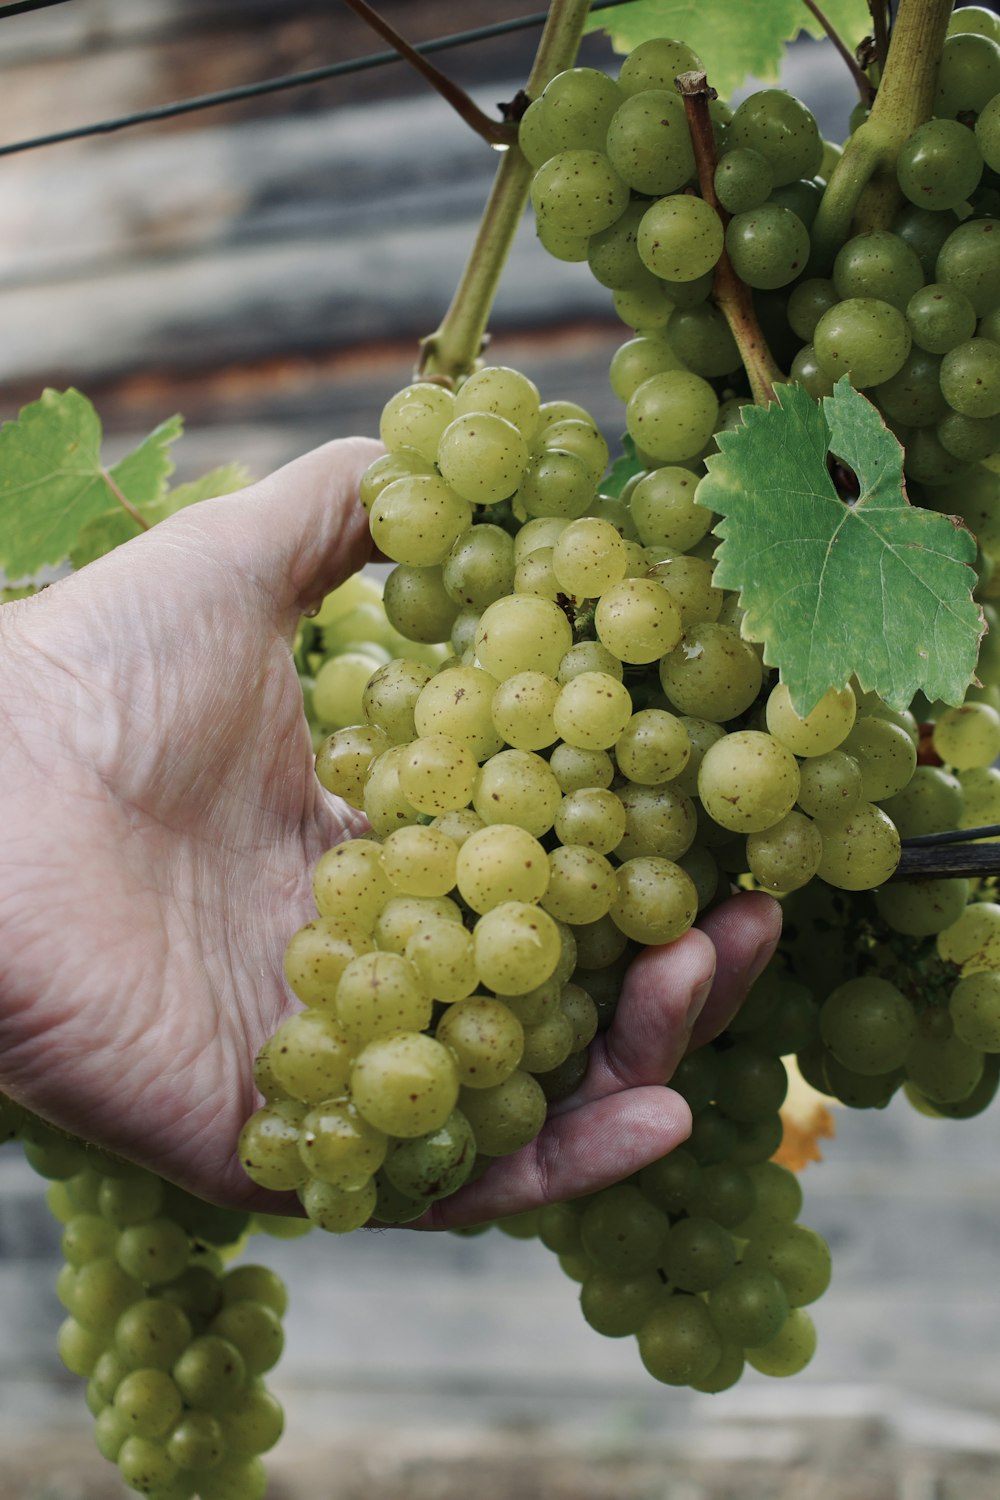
(161, 821)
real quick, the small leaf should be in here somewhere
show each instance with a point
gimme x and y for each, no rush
(806, 1120)
(51, 480)
(624, 468)
(115, 525)
(224, 480)
(880, 589)
(143, 474)
(733, 41)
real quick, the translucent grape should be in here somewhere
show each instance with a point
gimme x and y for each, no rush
(969, 259)
(774, 124)
(968, 736)
(638, 620)
(653, 747)
(649, 144)
(655, 902)
(417, 604)
(678, 1343)
(420, 861)
(878, 264)
(786, 855)
(659, 820)
(592, 710)
(864, 338)
(578, 192)
(939, 165)
(517, 946)
(968, 74)
(338, 1210)
(405, 1085)
(522, 633)
(482, 457)
(748, 781)
(860, 848)
(970, 378)
(349, 882)
(940, 317)
(743, 179)
(588, 557)
(824, 728)
(484, 1037)
(415, 418)
(517, 786)
(680, 238)
(655, 64)
(868, 1025)
(434, 1165)
(458, 701)
(768, 246)
(378, 994)
(712, 674)
(506, 1117)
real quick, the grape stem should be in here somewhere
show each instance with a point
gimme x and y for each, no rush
(495, 132)
(879, 12)
(863, 192)
(124, 501)
(454, 347)
(865, 87)
(731, 295)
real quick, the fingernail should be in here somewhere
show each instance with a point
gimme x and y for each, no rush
(698, 998)
(761, 959)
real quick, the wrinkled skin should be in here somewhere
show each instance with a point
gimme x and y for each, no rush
(160, 821)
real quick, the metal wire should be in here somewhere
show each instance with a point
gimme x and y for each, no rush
(18, 7)
(273, 85)
(953, 836)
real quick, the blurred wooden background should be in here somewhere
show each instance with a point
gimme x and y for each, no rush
(265, 267)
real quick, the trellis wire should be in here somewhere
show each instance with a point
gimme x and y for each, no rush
(18, 7)
(270, 85)
(953, 836)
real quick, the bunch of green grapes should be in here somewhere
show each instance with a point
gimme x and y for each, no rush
(173, 1345)
(905, 976)
(700, 1256)
(910, 313)
(602, 755)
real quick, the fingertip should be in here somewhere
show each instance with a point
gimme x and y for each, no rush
(744, 931)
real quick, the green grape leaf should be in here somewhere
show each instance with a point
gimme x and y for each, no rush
(115, 525)
(733, 41)
(878, 589)
(143, 474)
(624, 468)
(224, 480)
(51, 480)
(53, 483)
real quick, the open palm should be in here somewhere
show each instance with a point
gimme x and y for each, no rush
(160, 821)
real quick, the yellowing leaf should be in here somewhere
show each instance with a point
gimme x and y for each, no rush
(806, 1118)
(877, 589)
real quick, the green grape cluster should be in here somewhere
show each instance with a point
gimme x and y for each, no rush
(172, 1344)
(602, 755)
(907, 1001)
(910, 313)
(700, 1256)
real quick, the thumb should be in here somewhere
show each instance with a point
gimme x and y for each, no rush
(298, 533)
